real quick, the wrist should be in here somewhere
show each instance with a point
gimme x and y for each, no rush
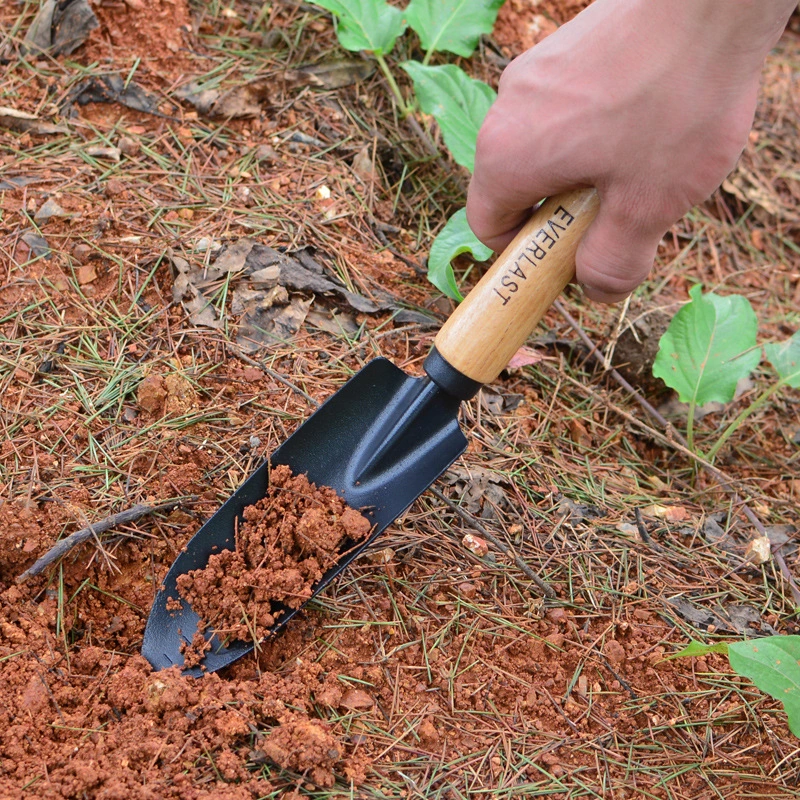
(740, 27)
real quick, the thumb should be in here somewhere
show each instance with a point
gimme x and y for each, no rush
(615, 255)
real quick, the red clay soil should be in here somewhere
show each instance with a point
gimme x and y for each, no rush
(83, 715)
(428, 665)
(152, 33)
(523, 23)
(287, 541)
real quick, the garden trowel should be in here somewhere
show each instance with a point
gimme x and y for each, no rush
(385, 437)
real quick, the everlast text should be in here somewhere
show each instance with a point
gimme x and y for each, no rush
(535, 251)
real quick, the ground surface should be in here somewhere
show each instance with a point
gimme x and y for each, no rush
(428, 670)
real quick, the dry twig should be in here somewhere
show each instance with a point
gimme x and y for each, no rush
(470, 520)
(62, 547)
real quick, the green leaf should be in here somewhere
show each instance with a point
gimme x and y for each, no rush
(457, 102)
(699, 649)
(785, 357)
(772, 664)
(452, 25)
(371, 25)
(454, 239)
(708, 347)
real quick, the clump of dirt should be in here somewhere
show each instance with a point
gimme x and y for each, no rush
(287, 541)
(637, 347)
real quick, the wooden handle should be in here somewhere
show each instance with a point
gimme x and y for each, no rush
(500, 313)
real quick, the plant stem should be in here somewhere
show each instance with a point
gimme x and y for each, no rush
(690, 426)
(405, 109)
(740, 417)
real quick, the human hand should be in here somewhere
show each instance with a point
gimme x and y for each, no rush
(650, 101)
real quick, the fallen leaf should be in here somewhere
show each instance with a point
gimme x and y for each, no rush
(579, 512)
(15, 182)
(733, 618)
(23, 122)
(37, 244)
(60, 27)
(474, 485)
(48, 210)
(110, 89)
(233, 257)
(579, 434)
(525, 357)
(103, 151)
(363, 164)
(239, 101)
(330, 74)
(335, 324)
(491, 402)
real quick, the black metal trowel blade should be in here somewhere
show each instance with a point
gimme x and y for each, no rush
(380, 442)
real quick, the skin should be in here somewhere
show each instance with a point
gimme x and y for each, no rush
(650, 101)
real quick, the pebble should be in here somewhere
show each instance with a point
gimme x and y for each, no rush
(557, 615)
(128, 147)
(356, 698)
(81, 252)
(468, 590)
(614, 651)
(114, 187)
(556, 639)
(475, 544)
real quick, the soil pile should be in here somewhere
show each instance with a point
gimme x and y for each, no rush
(287, 541)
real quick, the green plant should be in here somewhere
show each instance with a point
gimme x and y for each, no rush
(457, 102)
(709, 347)
(771, 663)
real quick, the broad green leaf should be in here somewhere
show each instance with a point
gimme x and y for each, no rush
(699, 649)
(773, 664)
(785, 357)
(708, 347)
(454, 239)
(452, 25)
(457, 102)
(371, 25)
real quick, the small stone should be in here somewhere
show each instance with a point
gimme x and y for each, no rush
(254, 442)
(356, 699)
(467, 590)
(266, 153)
(427, 732)
(151, 394)
(475, 544)
(614, 652)
(556, 639)
(86, 274)
(114, 187)
(128, 147)
(759, 551)
(81, 252)
(557, 615)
